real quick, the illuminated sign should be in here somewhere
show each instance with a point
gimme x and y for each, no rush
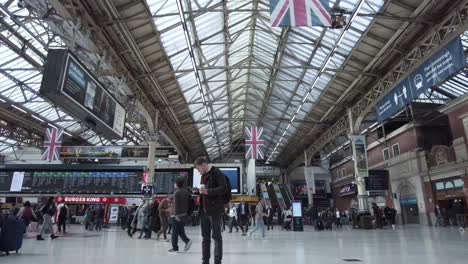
(84, 199)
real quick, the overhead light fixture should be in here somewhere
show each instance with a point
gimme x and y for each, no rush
(68, 134)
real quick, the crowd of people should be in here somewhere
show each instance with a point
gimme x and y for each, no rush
(215, 214)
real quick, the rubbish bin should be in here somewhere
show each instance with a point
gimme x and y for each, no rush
(365, 222)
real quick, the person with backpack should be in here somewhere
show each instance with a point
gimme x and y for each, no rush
(181, 206)
(62, 218)
(47, 211)
(26, 213)
(215, 192)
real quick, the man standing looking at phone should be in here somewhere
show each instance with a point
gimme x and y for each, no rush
(213, 192)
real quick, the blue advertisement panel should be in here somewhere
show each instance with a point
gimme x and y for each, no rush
(435, 70)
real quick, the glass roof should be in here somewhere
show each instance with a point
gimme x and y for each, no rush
(20, 76)
(226, 51)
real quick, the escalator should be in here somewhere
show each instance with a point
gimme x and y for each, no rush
(280, 197)
(272, 194)
(287, 199)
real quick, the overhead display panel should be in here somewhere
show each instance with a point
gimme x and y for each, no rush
(436, 69)
(4, 181)
(164, 180)
(68, 84)
(116, 152)
(72, 181)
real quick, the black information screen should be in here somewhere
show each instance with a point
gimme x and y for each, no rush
(84, 90)
(5, 180)
(164, 180)
(92, 182)
(377, 180)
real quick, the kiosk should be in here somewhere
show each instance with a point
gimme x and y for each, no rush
(298, 225)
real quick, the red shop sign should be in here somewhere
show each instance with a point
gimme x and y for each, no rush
(84, 199)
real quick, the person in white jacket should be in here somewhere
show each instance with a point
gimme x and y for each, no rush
(233, 218)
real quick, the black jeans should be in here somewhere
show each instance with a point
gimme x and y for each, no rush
(233, 223)
(269, 223)
(62, 223)
(178, 230)
(244, 222)
(211, 228)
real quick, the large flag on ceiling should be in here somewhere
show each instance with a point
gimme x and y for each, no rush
(52, 144)
(296, 13)
(254, 143)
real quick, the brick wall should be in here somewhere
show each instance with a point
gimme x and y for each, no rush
(348, 166)
(456, 123)
(406, 140)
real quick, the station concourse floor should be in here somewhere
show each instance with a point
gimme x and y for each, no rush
(410, 244)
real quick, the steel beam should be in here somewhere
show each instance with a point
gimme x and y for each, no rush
(454, 24)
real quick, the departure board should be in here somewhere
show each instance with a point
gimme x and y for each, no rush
(164, 181)
(92, 182)
(5, 181)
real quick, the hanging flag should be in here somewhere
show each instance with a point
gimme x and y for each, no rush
(52, 144)
(297, 13)
(254, 143)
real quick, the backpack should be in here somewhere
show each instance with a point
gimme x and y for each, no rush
(191, 205)
(27, 214)
(63, 211)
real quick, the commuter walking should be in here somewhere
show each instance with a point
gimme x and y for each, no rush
(338, 219)
(269, 217)
(131, 216)
(214, 194)
(233, 218)
(260, 212)
(26, 213)
(48, 211)
(243, 210)
(164, 213)
(378, 215)
(139, 220)
(438, 215)
(459, 212)
(181, 202)
(99, 218)
(390, 215)
(62, 218)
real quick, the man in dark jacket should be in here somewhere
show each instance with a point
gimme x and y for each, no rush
(459, 212)
(212, 190)
(181, 202)
(243, 210)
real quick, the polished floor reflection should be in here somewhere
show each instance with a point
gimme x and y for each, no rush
(411, 244)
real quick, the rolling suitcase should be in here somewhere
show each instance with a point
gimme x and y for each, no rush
(11, 236)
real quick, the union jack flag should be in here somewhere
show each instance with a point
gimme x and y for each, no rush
(52, 144)
(296, 13)
(254, 143)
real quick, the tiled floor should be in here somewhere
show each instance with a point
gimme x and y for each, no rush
(411, 244)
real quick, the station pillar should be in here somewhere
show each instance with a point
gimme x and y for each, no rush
(358, 143)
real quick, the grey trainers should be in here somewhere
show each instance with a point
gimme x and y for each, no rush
(188, 245)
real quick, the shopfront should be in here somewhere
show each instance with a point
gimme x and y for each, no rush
(78, 205)
(346, 196)
(447, 191)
